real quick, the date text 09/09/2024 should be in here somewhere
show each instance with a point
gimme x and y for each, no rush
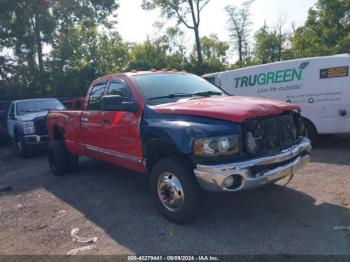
(173, 258)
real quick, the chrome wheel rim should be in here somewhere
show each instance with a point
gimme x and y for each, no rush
(170, 191)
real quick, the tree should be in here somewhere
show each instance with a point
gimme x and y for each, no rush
(27, 26)
(239, 22)
(78, 15)
(155, 54)
(146, 56)
(269, 45)
(42, 23)
(214, 49)
(75, 56)
(23, 26)
(282, 38)
(18, 30)
(85, 55)
(182, 9)
(174, 39)
(173, 43)
(111, 54)
(326, 30)
(214, 54)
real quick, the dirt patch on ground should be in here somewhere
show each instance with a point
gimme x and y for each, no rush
(39, 211)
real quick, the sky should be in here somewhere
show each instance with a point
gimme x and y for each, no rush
(135, 24)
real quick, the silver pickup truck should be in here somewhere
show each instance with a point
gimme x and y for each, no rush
(26, 122)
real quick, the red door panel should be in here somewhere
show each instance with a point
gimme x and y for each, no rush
(92, 128)
(121, 133)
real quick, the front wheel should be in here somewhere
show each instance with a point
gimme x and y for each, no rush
(22, 149)
(311, 131)
(175, 190)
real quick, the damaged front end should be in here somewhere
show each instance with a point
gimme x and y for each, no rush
(274, 148)
(269, 135)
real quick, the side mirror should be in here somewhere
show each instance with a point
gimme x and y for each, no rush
(115, 103)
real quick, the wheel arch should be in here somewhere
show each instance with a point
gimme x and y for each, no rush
(310, 130)
(160, 149)
(57, 133)
(310, 122)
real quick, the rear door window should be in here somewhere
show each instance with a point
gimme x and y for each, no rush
(95, 97)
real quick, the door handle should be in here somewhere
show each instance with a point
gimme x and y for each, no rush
(84, 120)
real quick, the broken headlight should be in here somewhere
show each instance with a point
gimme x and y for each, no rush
(216, 146)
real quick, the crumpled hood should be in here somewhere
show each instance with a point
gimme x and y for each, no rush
(230, 108)
(32, 116)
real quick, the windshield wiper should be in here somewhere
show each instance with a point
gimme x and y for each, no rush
(171, 96)
(30, 111)
(208, 93)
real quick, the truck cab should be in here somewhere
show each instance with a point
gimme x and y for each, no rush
(185, 133)
(26, 123)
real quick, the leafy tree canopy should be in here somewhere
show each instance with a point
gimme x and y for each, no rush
(326, 31)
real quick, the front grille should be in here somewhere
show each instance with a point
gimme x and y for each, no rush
(40, 126)
(268, 135)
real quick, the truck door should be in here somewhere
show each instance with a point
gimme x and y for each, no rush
(92, 119)
(121, 129)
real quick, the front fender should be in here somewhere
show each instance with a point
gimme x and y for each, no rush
(182, 131)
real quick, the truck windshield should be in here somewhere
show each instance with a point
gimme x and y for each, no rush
(26, 107)
(167, 88)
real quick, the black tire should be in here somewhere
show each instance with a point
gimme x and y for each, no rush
(311, 131)
(58, 158)
(23, 150)
(192, 194)
(73, 162)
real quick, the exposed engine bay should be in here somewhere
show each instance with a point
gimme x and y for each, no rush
(268, 135)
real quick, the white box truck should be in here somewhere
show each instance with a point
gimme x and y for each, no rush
(319, 85)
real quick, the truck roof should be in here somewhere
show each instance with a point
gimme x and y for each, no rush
(283, 62)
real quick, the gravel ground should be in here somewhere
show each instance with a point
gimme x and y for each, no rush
(114, 204)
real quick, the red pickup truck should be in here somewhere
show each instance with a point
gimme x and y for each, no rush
(188, 134)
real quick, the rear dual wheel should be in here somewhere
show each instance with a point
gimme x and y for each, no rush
(61, 161)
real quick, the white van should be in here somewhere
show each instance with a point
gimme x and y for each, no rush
(319, 85)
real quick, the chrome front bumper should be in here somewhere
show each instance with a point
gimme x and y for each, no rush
(35, 139)
(255, 172)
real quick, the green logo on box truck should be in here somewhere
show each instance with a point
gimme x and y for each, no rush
(281, 76)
